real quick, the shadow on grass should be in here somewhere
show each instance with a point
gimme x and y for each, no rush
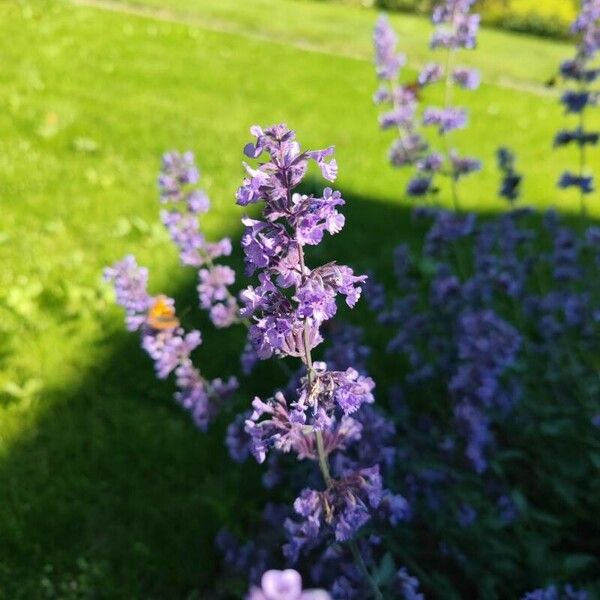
(114, 472)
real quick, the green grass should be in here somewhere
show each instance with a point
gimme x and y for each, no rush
(95, 462)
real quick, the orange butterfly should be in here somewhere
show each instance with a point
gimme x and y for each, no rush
(161, 314)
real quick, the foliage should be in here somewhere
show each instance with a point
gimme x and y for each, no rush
(496, 372)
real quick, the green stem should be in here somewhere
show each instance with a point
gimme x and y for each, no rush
(358, 559)
(447, 100)
(582, 161)
(323, 463)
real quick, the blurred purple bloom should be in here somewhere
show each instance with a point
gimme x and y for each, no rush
(284, 585)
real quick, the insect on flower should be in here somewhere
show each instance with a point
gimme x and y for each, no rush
(161, 315)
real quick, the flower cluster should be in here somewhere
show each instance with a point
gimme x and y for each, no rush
(178, 185)
(554, 593)
(456, 28)
(284, 585)
(166, 342)
(353, 445)
(510, 188)
(582, 73)
(488, 317)
(291, 302)
(320, 416)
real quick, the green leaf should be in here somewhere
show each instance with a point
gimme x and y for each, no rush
(385, 571)
(579, 562)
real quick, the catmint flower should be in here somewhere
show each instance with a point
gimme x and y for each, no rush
(466, 515)
(511, 180)
(475, 428)
(445, 119)
(554, 593)
(169, 348)
(580, 137)
(585, 184)
(407, 585)
(431, 163)
(283, 325)
(407, 150)
(178, 171)
(285, 429)
(403, 116)
(575, 102)
(344, 507)
(447, 228)
(388, 60)
(284, 585)
(431, 73)
(419, 186)
(318, 416)
(580, 69)
(178, 188)
(165, 341)
(130, 282)
(463, 165)
(586, 26)
(466, 78)
(507, 509)
(455, 26)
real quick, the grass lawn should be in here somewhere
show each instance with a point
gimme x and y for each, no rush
(96, 464)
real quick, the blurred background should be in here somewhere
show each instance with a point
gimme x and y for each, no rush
(102, 478)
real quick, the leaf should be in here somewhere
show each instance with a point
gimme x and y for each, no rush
(385, 571)
(427, 267)
(579, 562)
(555, 428)
(595, 458)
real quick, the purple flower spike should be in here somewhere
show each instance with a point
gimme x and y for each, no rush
(456, 28)
(165, 341)
(178, 186)
(445, 119)
(466, 78)
(387, 60)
